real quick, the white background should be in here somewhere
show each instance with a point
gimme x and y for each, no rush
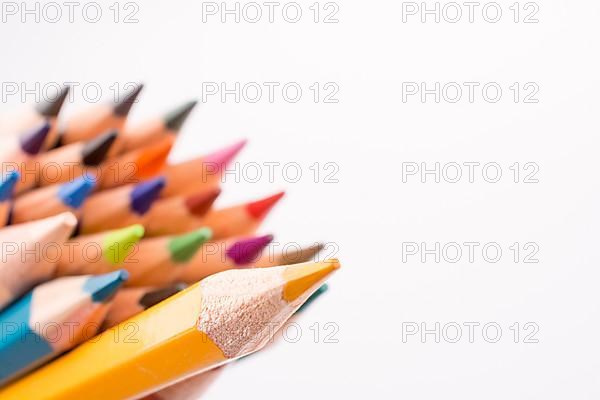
(370, 212)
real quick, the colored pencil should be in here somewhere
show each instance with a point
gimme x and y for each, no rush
(136, 165)
(131, 301)
(45, 111)
(173, 215)
(7, 190)
(159, 261)
(222, 255)
(200, 173)
(120, 207)
(68, 162)
(52, 200)
(239, 220)
(156, 128)
(97, 119)
(98, 253)
(18, 153)
(211, 323)
(51, 319)
(29, 253)
(290, 255)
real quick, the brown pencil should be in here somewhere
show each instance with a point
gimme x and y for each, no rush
(97, 119)
(131, 301)
(71, 161)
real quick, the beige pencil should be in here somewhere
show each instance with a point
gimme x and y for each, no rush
(30, 253)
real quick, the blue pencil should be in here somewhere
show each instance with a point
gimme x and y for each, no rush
(7, 189)
(51, 200)
(53, 318)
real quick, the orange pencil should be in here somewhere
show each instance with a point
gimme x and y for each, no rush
(98, 119)
(71, 161)
(136, 165)
(155, 129)
(200, 173)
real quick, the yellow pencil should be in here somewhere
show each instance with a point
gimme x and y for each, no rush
(222, 318)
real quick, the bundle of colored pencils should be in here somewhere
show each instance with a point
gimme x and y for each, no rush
(116, 255)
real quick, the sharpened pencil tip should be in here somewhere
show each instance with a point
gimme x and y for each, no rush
(175, 119)
(302, 280)
(145, 194)
(152, 159)
(301, 255)
(103, 287)
(74, 193)
(260, 208)
(32, 140)
(156, 296)
(246, 251)
(96, 150)
(200, 203)
(183, 247)
(7, 186)
(51, 107)
(224, 156)
(324, 287)
(123, 107)
(120, 243)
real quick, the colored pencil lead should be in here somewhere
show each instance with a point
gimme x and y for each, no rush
(144, 194)
(74, 193)
(259, 209)
(246, 251)
(95, 150)
(103, 287)
(50, 108)
(199, 204)
(176, 118)
(156, 296)
(7, 186)
(33, 140)
(183, 247)
(224, 156)
(118, 244)
(124, 106)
